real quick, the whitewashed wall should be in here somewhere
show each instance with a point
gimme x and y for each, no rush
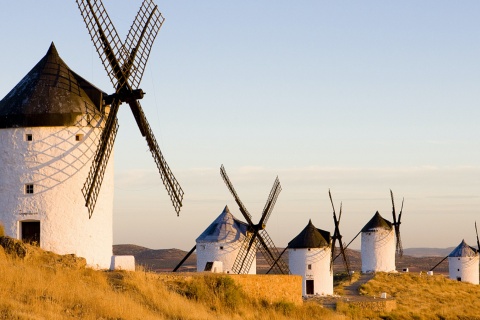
(57, 165)
(211, 251)
(319, 259)
(465, 268)
(378, 251)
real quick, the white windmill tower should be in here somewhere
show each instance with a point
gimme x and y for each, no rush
(221, 242)
(463, 263)
(378, 245)
(49, 128)
(309, 255)
(380, 240)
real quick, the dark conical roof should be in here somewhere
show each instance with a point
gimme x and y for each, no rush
(377, 222)
(463, 250)
(311, 237)
(49, 95)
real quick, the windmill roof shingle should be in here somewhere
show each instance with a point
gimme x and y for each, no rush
(49, 95)
(377, 222)
(225, 228)
(311, 237)
(463, 250)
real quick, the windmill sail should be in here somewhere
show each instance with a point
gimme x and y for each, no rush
(125, 64)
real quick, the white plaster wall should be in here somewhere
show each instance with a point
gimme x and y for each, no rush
(378, 251)
(320, 273)
(57, 165)
(210, 251)
(464, 267)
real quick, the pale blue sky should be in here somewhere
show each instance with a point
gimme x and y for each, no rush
(358, 97)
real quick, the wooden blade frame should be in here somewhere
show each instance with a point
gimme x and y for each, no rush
(245, 255)
(478, 241)
(124, 63)
(272, 199)
(337, 236)
(257, 236)
(396, 224)
(239, 202)
(271, 253)
(91, 187)
(185, 258)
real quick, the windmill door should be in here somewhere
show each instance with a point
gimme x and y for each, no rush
(31, 232)
(309, 286)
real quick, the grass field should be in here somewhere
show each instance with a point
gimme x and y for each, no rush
(47, 286)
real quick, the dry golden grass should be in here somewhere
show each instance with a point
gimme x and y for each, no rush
(426, 297)
(44, 286)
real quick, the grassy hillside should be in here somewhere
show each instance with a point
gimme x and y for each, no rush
(419, 296)
(47, 286)
(41, 285)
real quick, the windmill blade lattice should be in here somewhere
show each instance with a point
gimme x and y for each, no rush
(338, 236)
(271, 253)
(140, 39)
(272, 199)
(91, 187)
(246, 254)
(239, 202)
(123, 62)
(396, 224)
(104, 37)
(478, 241)
(257, 236)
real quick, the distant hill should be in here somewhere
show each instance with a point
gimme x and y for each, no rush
(165, 260)
(428, 252)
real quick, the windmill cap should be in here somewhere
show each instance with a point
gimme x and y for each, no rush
(225, 228)
(377, 222)
(51, 94)
(311, 237)
(463, 250)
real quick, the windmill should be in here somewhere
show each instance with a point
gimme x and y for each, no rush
(396, 225)
(125, 63)
(255, 234)
(309, 256)
(338, 236)
(459, 254)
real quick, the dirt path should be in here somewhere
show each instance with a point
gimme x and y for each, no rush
(351, 293)
(352, 289)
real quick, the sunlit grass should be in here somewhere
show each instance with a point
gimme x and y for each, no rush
(47, 286)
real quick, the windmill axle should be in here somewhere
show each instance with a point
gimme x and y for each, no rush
(124, 96)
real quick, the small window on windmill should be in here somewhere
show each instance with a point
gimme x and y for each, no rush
(309, 267)
(29, 188)
(458, 269)
(221, 247)
(28, 137)
(459, 279)
(309, 249)
(78, 137)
